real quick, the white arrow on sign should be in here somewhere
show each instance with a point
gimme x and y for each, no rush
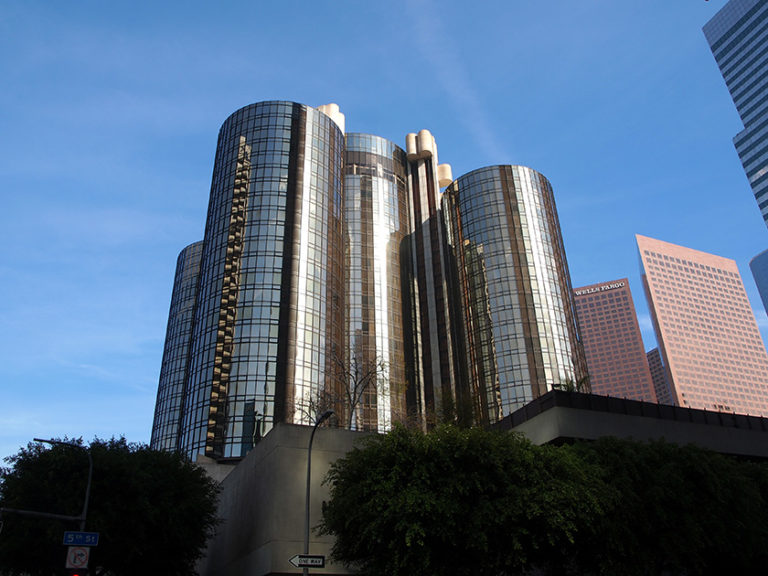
(308, 561)
(77, 557)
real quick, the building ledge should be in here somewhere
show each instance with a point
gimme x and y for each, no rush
(559, 416)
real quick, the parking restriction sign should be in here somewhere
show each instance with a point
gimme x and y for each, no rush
(77, 557)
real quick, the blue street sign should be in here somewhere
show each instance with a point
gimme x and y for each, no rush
(81, 538)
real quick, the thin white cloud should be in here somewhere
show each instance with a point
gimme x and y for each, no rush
(452, 74)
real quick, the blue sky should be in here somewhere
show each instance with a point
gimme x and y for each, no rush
(109, 113)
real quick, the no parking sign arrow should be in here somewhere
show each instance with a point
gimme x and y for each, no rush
(77, 557)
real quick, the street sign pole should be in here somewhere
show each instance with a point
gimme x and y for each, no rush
(323, 417)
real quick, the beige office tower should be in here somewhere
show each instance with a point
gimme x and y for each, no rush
(707, 334)
(432, 394)
(612, 341)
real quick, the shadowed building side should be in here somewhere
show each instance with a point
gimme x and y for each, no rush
(434, 393)
(759, 267)
(659, 377)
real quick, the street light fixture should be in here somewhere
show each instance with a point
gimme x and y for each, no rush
(81, 517)
(323, 417)
(84, 513)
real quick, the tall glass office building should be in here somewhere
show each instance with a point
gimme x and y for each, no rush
(170, 391)
(328, 278)
(517, 313)
(270, 306)
(377, 224)
(738, 37)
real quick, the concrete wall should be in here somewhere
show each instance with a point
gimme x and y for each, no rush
(562, 423)
(261, 504)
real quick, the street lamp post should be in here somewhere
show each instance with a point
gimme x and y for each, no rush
(84, 512)
(323, 417)
(81, 517)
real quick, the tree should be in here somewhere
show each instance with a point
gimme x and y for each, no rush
(357, 377)
(490, 503)
(674, 510)
(352, 393)
(455, 502)
(153, 510)
(572, 385)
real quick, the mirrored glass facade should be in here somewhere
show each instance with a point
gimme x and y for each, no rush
(738, 38)
(270, 307)
(518, 324)
(377, 224)
(334, 274)
(170, 391)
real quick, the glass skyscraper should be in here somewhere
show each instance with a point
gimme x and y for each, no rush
(270, 301)
(377, 223)
(515, 305)
(659, 377)
(738, 37)
(173, 371)
(335, 274)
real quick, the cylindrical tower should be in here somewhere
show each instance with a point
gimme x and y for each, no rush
(170, 391)
(376, 210)
(270, 308)
(519, 334)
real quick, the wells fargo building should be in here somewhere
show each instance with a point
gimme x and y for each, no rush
(616, 358)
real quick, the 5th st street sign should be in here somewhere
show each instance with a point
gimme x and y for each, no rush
(81, 538)
(308, 561)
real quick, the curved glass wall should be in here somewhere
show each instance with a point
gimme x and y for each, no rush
(377, 221)
(519, 335)
(271, 303)
(170, 391)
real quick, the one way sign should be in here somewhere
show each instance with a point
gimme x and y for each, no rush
(308, 561)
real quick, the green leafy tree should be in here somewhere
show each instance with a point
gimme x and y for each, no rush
(674, 510)
(153, 510)
(455, 502)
